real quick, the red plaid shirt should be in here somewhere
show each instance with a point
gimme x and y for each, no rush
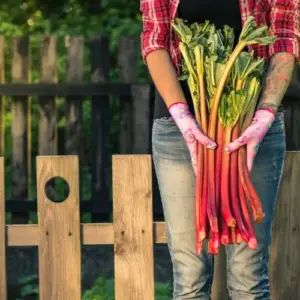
(281, 16)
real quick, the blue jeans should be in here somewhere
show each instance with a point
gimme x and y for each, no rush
(247, 270)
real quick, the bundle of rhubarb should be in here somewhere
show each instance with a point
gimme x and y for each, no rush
(225, 82)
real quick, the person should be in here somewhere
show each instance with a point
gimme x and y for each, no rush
(174, 138)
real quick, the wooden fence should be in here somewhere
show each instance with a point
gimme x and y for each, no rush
(134, 114)
(77, 87)
(59, 234)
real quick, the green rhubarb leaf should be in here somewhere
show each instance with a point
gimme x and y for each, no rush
(193, 87)
(235, 103)
(252, 35)
(182, 30)
(246, 66)
(257, 66)
(263, 41)
(199, 58)
(248, 28)
(229, 37)
(242, 64)
(187, 59)
(223, 107)
(257, 33)
(219, 69)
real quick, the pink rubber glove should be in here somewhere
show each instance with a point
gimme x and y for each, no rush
(190, 130)
(253, 135)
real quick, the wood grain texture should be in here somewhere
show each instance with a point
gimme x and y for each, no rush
(97, 234)
(47, 143)
(133, 227)
(134, 232)
(3, 286)
(22, 235)
(92, 234)
(75, 47)
(21, 166)
(2, 98)
(59, 230)
(285, 260)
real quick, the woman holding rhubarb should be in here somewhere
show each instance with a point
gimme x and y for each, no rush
(177, 134)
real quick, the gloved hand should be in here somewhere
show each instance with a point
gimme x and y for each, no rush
(253, 135)
(190, 130)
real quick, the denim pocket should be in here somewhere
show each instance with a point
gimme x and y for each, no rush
(164, 125)
(167, 140)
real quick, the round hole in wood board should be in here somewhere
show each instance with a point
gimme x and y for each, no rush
(57, 189)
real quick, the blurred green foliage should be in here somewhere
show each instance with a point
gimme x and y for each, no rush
(111, 18)
(102, 289)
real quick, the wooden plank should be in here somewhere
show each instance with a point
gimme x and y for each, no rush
(47, 114)
(3, 286)
(133, 227)
(22, 235)
(73, 133)
(47, 142)
(101, 158)
(74, 144)
(127, 60)
(59, 231)
(20, 125)
(2, 98)
(97, 234)
(92, 234)
(142, 119)
(65, 89)
(160, 233)
(284, 260)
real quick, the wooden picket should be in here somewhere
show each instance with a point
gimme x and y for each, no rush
(59, 233)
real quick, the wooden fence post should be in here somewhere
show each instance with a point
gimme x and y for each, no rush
(3, 291)
(47, 131)
(74, 122)
(59, 231)
(133, 227)
(101, 159)
(127, 60)
(47, 143)
(285, 259)
(20, 126)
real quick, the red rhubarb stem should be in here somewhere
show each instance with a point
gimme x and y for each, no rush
(248, 187)
(234, 196)
(252, 243)
(225, 197)
(198, 192)
(205, 211)
(219, 154)
(225, 233)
